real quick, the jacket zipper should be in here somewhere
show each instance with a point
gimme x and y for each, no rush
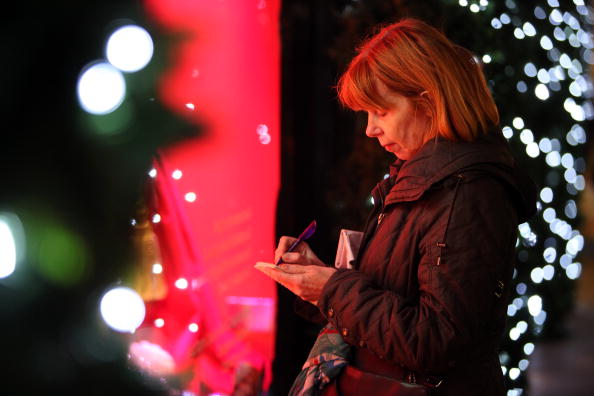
(442, 245)
(381, 214)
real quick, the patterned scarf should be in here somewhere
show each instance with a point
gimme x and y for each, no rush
(326, 359)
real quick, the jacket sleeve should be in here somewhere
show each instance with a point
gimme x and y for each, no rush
(308, 311)
(454, 305)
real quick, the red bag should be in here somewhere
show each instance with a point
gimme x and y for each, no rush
(354, 382)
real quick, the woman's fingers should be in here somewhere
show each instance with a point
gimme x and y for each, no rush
(283, 245)
(281, 274)
(306, 282)
(292, 269)
(294, 258)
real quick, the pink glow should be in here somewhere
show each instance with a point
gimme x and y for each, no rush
(228, 70)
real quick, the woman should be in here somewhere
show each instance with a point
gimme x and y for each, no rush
(426, 300)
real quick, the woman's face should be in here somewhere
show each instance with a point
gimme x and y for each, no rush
(402, 129)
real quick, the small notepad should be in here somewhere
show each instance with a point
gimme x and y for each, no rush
(262, 264)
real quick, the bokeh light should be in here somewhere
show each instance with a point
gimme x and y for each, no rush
(181, 283)
(190, 196)
(177, 174)
(130, 48)
(101, 88)
(535, 305)
(122, 309)
(62, 255)
(157, 268)
(8, 250)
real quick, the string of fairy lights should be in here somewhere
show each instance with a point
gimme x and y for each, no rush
(563, 71)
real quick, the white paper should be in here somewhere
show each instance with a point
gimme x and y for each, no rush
(349, 242)
(262, 264)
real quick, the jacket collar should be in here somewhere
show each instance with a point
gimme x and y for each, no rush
(441, 158)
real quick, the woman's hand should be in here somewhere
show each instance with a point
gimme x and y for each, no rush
(306, 281)
(302, 255)
(302, 271)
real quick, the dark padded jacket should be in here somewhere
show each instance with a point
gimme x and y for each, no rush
(429, 289)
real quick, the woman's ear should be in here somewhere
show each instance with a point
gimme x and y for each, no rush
(424, 104)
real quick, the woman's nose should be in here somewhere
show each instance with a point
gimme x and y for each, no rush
(372, 129)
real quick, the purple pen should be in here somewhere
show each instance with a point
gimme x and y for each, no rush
(309, 231)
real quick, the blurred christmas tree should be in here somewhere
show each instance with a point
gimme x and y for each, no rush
(70, 184)
(536, 58)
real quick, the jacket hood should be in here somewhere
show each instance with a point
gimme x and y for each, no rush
(440, 159)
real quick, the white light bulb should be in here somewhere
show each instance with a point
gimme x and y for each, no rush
(546, 43)
(539, 13)
(511, 310)
(579, 184)
(565, 61)
(528, 348)
(181, 283)
(177, 174)
(532, 150)
(575, 245)
(262, 129)
(101, 88)
(556, 17)
(526, 136)
(519, 33)
(522, 326)
(8, 255)
(548, 272)
(550, 254)
(546, 195)
(122, 309)
(549, 215)
(130, 48)
(507, 132)
(534, 305)
(190, 197)
(529, 29)
(537, 275)
(518, 123)
(544, 76)
(157, 268)
(514, 334)
(542, 92)
(545, 145)
(573, 270)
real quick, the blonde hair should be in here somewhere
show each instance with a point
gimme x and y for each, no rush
(417, 61)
